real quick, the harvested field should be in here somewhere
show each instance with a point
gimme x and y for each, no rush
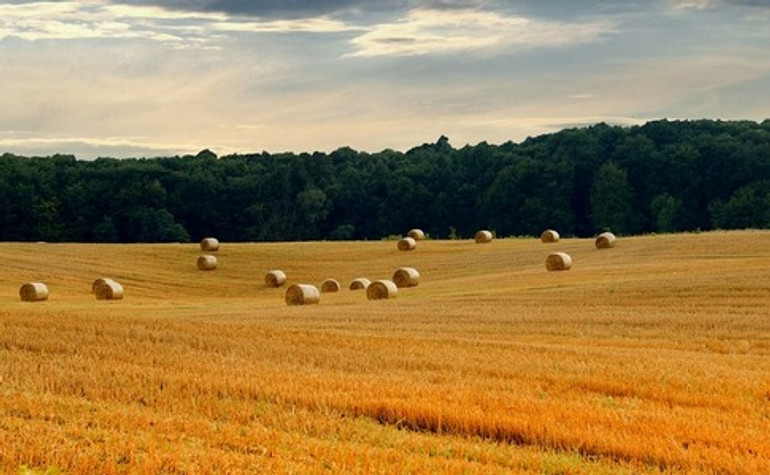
(653, 357)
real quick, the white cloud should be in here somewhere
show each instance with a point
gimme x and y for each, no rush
(679, 5)
(428, 31)
(97, 19)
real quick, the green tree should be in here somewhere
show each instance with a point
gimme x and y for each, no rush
(667, 211)
(612, 200)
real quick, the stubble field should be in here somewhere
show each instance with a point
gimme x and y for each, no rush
(653, 356)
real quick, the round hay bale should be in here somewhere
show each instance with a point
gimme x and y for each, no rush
(207, 262)
(108, 289)
(275, 278)
(98, 282)
(302, 294)
(381, 289)
(416, 234)
(483, 236)
(407, 244)
(605, 240)
(209, 244)
(33, 292)
(330, 285)
(549, 235)
(406, 277)
(360, 283)
(558, 261)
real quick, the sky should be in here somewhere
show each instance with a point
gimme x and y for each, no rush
(144, 78)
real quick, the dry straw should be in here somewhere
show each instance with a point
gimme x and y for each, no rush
(209, 244)
(381, 289)
(330, 285)
(416, 234)
(302, 294)
(207, 262)
(33, 292)
(483, 236)
(107, 289)
(406, 277)
(558, 261)
(275, 278)
(605, 240)
(407, 244)
(360, 283)
(549, 235)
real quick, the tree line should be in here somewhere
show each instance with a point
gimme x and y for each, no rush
(663, 176)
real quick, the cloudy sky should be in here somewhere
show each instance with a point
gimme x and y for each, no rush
(144, 78)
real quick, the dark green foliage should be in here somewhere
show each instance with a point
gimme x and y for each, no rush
(663, 176)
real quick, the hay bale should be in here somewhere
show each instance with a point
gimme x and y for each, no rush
(549, 235)
(275, 278)
(360, 283)
(416, 234)
(407, 244)
(406, 277)
(483, 236)
(605, 240)
(209, 244)
(558, 261)
(207, 262)
(98, 282)
(302, 294)
(33, 292)
(381, 289)
(108, 289)
(330, 285)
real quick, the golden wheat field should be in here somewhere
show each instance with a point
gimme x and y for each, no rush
(650, 357)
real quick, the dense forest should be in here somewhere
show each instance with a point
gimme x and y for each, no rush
(663, 176)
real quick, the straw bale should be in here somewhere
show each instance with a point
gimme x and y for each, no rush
(416, 234)
(360, 283)
(558, 261)
(302, 294)
(108, 289)
(275, 278)
(381, 289)
(406, 277)
(209, 244)
(330, 285)
(98, 282)
(33, 292)
(605, 240)
(483, 236)
(549, 235)
(207, 262)
(407, 244)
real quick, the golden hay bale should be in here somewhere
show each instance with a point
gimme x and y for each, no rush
(381, 289)
(108, 289)
(275, 278)
(302, 294)
(416, 234)
(360, 283)
(209, 244)
(330, 285)
(549, 235)
(605, 240)
(33, 292)
(207, 262)
(483, 236)
(407, 244)
(406, 277)
(99, 282)
(558, 261)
